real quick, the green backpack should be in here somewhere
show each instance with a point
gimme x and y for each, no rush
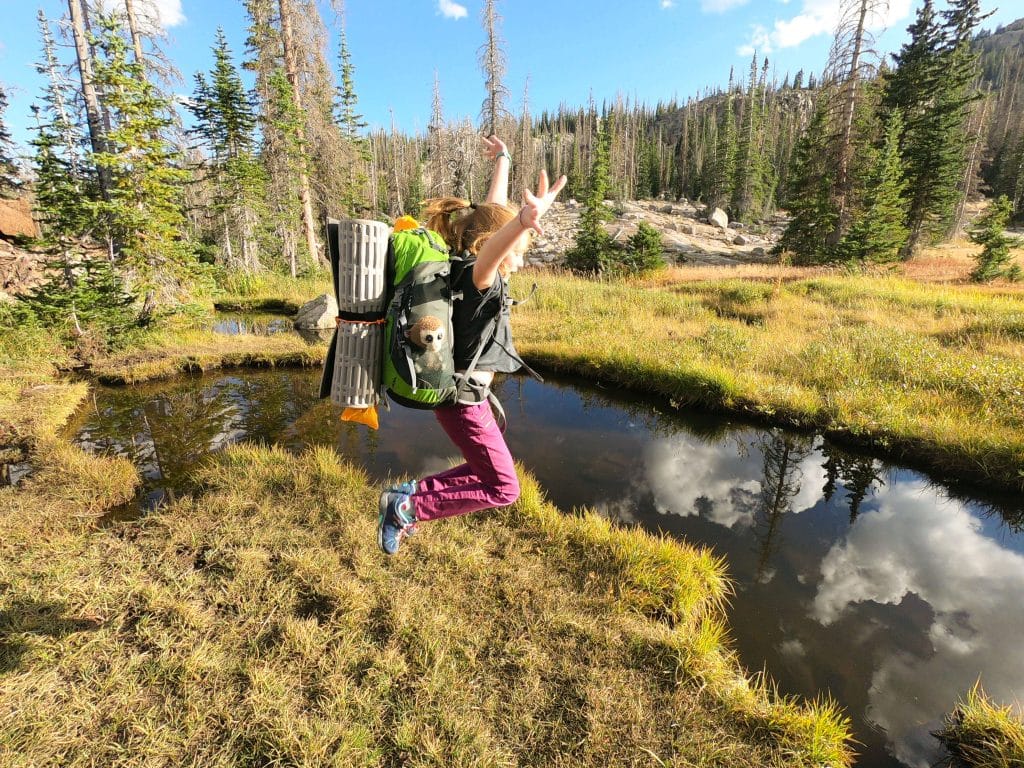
(419, 369)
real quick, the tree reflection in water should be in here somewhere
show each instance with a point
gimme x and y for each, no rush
(169, 430)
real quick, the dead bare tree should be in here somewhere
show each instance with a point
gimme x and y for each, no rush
(93, 113)
(847, 64)
(493, 62)
(292, 74)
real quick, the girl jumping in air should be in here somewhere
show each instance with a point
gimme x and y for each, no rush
(495, 237)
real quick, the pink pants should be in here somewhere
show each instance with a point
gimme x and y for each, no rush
(487, 478)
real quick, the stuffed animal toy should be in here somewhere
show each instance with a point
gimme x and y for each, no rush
(429, 334)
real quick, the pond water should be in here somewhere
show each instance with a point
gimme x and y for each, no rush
(264, 324)
(872, 583)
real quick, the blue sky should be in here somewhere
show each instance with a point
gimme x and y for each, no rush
(565, 49)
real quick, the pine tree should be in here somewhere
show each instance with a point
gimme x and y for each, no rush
(723, 172)
(143, 216)
(226, 122)
(933, 86)
(989, 232)
(879, 232)
(748, 193)
(351, 122)
(809, 197)
(591, 252)
(62, 192)
(8, 169)
(644, 251)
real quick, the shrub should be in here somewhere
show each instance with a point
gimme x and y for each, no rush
(989, 232)
(644, 250)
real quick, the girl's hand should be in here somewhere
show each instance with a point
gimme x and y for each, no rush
(536, 205)
(493, 146)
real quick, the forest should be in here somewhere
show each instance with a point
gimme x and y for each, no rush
(872, 158)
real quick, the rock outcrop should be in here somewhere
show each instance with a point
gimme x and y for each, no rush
(318, 314)
(687, 236)
(16, 219)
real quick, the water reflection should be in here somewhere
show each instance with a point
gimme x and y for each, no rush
(234, 324)
(854, 578)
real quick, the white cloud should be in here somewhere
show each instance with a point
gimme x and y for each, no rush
(667, 3)
(720, 6)
(936, 552)
(691, 478)
(153, 15)
(451, 10)
(816, 17)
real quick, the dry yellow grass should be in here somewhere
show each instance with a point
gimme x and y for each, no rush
(259, 625)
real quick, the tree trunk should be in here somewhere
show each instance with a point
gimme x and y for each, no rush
(133, 27)
(292, 73)
(972, 163)
(845, 148)
(97, 137)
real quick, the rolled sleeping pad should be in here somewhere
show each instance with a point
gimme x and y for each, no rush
(358, 250)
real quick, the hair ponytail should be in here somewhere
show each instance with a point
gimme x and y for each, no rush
(469, 231)
(439, 212)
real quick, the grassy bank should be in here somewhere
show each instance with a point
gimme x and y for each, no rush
(981, 734)
(167, 353)
(257, 624)
(271, 292)
(932, 374)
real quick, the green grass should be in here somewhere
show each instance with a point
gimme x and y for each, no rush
(271, 291)
(933, 375)
(257, 624)
(170, 352)
(980, 734)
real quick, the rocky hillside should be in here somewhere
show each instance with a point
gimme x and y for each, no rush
(688, 237)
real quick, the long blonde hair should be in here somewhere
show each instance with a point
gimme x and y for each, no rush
(465, 226)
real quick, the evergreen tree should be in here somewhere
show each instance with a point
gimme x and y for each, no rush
(1012, 178)
(82, 291)
(643, 251)
(84, 298)
(879, 232)
(348, 117)
(989, 232)
(723, 171)
(933, 86)
(62, 192)
(143, 216)
(8, 169)
(226, 122)
(592, 250)
(749, 183)
(809, 197)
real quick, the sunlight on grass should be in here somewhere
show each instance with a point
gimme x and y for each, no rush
(257, 623)
(930, 373)
(982, 734)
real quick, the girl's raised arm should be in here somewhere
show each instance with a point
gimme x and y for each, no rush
(500, 244)
(498, 152)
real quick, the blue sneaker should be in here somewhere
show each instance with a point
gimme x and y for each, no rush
(408, 488)
(396, 515)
